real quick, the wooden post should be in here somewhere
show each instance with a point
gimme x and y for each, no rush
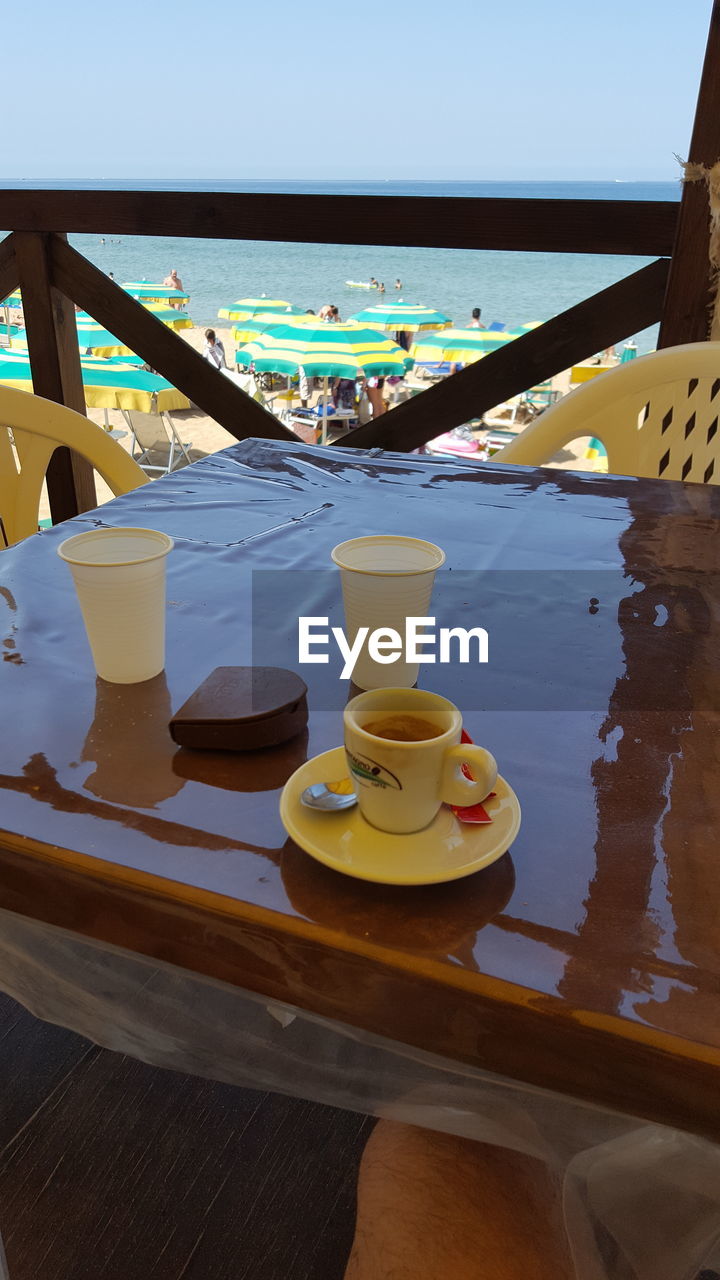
(55, 363)
(9, 277)
(688, 300)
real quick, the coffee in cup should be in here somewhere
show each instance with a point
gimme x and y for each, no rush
(403, 726)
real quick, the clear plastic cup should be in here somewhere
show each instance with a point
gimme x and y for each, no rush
(119, 576)
(385, 580)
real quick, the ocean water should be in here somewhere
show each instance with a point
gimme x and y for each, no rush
(510, 287)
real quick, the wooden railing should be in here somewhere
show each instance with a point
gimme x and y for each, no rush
(675, 289)
(53, 276)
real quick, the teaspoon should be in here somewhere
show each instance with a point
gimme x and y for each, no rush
(331, 797)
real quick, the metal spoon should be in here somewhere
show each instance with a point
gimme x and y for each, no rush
(331, 797)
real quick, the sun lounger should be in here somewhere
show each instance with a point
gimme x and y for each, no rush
(435, 368)
(156, 445)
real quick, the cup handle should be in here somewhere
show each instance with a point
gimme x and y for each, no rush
(456, 789)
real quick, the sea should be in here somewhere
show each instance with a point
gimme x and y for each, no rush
(512, 288)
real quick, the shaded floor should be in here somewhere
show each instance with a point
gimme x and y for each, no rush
(112, 1170)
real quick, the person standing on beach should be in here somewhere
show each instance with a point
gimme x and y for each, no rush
(173, 281)
(214, 351)
(476, 322)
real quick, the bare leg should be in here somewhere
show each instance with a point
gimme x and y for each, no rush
(435, 1207)
(375, 396)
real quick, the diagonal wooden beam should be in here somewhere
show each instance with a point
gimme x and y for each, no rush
(688, 303)
(598, 322)
(174, 358)
(9, 273)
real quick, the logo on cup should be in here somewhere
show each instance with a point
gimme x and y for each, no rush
(371, 774)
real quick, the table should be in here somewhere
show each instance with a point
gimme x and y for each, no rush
(585, 963)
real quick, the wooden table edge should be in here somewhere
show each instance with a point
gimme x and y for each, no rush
(504, 1028)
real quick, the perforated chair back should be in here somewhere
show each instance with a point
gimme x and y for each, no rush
(655, 416)
(31, 429)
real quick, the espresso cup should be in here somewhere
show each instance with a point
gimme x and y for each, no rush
(402, 780)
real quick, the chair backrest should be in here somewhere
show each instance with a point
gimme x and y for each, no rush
(150, 430)
(656, 416)
(38, 427)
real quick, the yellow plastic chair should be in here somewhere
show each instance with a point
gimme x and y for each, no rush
(656, 416)
(30, 430)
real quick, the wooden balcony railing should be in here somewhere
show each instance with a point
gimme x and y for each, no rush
(675, 289)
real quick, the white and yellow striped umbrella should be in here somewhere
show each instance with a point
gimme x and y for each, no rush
(325, 351)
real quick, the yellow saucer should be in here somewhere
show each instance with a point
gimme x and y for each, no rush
(446, 850)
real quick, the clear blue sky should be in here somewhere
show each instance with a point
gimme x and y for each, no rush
(320, 88)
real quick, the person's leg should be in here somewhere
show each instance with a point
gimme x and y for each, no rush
(434, 1207)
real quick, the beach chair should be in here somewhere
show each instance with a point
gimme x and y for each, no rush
(655, 416)
(156, 445)
(31, 429)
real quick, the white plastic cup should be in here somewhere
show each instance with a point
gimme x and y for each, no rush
(385, 580)
(119, 576)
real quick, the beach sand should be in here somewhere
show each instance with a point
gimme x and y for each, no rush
(206, 436)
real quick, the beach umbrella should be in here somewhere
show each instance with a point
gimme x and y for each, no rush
(258, 309)
(169, 316)
(629, 352)
(325, 351)
(455, 345)
(250, 329)
(147, 291)
(532, 324)
(108, 384)
(403, 317)
(95, 340)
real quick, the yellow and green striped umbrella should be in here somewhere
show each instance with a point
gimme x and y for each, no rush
(259, 308)
(95, 340)
(402, 317)
(108, 385)
(148, 291)
(458, 344)
(461, 346)
(249, 330)
(325, 351)
(92, 339)
(12, 300)
(169, 315)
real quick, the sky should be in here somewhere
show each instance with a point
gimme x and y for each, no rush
(472, 89)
